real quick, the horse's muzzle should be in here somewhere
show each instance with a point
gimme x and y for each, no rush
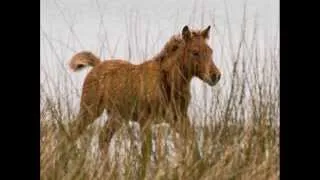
(214, 79)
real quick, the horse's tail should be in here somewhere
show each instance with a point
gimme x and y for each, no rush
(83, 59)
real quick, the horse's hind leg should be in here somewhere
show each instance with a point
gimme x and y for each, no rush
(88, 113)
(110, 127)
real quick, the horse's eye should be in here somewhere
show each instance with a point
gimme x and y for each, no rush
(196, 53)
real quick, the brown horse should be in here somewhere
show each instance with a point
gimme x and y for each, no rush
(159, 88)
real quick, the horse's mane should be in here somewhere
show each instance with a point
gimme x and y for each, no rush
(172, 45)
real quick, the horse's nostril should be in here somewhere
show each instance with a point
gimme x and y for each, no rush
(218, 77)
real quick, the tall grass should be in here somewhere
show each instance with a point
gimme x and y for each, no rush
(237, 121)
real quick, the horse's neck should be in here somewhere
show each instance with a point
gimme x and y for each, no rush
(174, 76)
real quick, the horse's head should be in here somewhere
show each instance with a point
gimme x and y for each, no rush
(197, 56)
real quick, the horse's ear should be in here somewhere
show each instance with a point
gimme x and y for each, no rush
(205, 33)
(186, 34)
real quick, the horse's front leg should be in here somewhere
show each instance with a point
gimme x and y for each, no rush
(144, 119)
(187, 133)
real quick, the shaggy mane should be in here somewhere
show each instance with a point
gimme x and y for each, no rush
(171, 45)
